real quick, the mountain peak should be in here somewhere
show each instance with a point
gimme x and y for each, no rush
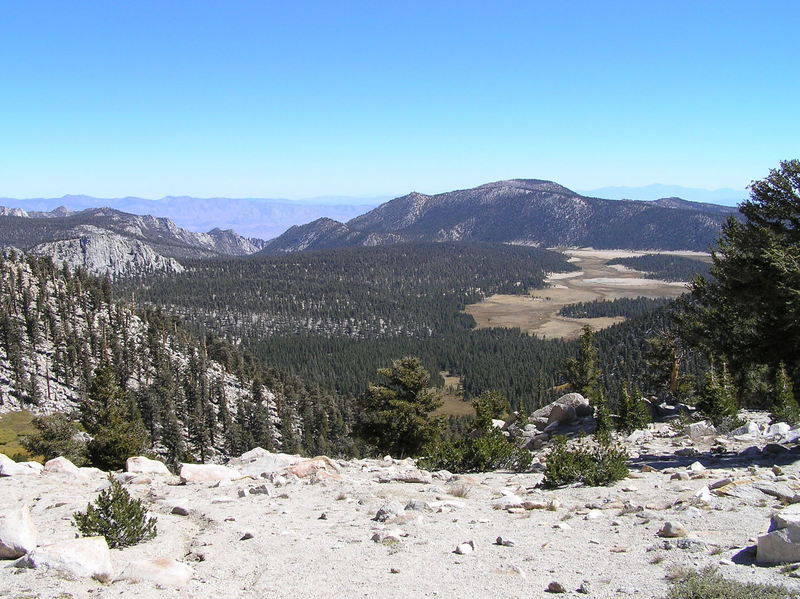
(528, 185)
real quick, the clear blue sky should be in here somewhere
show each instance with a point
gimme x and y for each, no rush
(297, 99)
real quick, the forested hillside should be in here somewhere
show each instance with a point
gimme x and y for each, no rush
(666, 267)
(336, 317)
(198, 398)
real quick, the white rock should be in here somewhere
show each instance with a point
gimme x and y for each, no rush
(778, 429)
(703, 495)
(17, 533)
(163, 571)
(9, 467)
(698, 430)
(788, 516)
(258, 462)
(779, 546)
(465, 548)
(62, 465)
(445, 505)
(82, 558)
(672, 529)
(639, 436)
(751, 428)
(143, 465)
(697, 467)
(207, 473)
(406, 476)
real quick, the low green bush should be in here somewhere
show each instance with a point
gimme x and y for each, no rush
(490, 451)
(595, 463)
(710, 584)
(116, 516)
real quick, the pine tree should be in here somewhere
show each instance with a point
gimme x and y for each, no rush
(633, 414)
(395, 416)
(717, 401)
(583, 374)
(784, 407)
(115, 425)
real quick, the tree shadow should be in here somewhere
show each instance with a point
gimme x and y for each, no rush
(711, 459)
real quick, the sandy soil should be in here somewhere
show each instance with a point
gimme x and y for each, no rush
(537, 313)
(606, 537)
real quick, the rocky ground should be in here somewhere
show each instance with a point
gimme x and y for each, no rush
(276, 525)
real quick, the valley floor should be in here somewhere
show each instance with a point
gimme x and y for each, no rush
(537, 312)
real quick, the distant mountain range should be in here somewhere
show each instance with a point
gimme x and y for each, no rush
(262, 218)
(727, 196)
(519, 211)
(105, 240)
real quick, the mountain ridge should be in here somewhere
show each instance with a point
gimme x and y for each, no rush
(108, 241)
(523, 211)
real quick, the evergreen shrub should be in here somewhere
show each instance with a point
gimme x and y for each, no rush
(490, 451)
(594, 463)
(122, 520)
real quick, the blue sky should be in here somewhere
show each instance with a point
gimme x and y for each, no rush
(267, 99)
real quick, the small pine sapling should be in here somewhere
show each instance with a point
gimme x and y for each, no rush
(784, 407)
(122, 520)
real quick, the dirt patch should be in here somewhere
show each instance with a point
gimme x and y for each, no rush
(453, 403)
(537, 312)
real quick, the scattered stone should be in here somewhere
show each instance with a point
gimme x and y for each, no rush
(555, 587)
(388, 537)
(775, 449)
(751, 428)
(417, 505)
(720, 483)
(750, 452)
(323, 516)
(697, 467)
(778, 491)
(584, 589)
(246, 536)
(86, 557)
(207, 473)
(505, 542)
(465, 548)
(180, 510)
(143, 465)
(672, 529)
(698, 430)
(389, 510)
(778, 429)
(163, 571)
(535, 505)
(17, 533)
(687, 452)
